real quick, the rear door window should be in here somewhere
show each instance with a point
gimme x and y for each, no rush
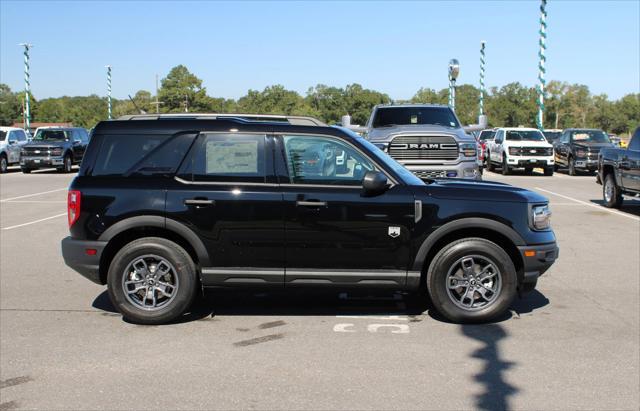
(140, 155)
(229, 158)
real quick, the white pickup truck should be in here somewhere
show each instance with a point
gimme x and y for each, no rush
(519, 148)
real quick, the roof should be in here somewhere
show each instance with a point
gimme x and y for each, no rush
(59, 128)
(392, 105)
(5, 128)
(43, 124)
(295, 120)
(208, 123)
(517, 129)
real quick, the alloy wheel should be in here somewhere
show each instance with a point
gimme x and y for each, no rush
(473, 282)
(150, 282)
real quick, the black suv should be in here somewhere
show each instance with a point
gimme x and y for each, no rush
(164, 205)
(59, 147)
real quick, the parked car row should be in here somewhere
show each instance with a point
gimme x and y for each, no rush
(50, 147)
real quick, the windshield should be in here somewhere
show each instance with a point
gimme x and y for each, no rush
(401, 116)
(382, 157)
(59, 135)
(486, 135)
(525, 135)
(590, 136)
(552, 135)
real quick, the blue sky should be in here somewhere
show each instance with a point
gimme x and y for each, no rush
(394, 47)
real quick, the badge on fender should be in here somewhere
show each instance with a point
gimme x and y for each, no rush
(394, 231)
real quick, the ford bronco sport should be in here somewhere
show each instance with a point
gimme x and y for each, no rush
(164, 205)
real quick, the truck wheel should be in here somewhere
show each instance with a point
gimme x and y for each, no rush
(471, 280)
(152, 281)
(548, 171)
(611, 192)
(67, 164)
(528, 170)
(26, 170)
(505, 167)
(489, 163)
(572, 167)
(4, 164)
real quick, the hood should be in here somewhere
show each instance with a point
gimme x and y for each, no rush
(527, 143)
(384, 132)
(471, 190)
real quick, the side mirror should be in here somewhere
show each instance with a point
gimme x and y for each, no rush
(76, 142)
(374, 182)
(12, 142)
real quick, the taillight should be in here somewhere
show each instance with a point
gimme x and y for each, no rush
(73, 206)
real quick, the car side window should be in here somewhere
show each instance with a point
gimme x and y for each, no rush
(564, 138)
(499, 136)
(13, 136)
(230, 158)
(21, 136)
(324, 160)
(634, 144)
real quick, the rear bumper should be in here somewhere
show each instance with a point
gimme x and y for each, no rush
(75, 256)
(536, 265)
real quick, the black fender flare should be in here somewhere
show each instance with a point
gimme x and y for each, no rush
(475, 222)
(160, 222)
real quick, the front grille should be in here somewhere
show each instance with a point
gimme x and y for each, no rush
(424, 148)
(535, 151)
(37, 151)
(429, 173)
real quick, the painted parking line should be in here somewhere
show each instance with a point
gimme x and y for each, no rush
(32, 195)
(601, 208)
(34, 222)
(34, 201)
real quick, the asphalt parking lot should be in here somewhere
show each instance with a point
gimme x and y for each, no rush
(572, 344)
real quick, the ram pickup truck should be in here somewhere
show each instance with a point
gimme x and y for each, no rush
(619, 172)
(209, 201)
(427, 139)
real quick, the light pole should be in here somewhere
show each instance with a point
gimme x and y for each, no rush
(482, 44)
(109, 90)
(454, 70)
(541, 63)
(27, 87)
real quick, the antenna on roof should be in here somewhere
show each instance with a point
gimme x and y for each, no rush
(136, 106)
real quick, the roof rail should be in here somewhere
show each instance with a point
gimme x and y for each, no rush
(294, 120)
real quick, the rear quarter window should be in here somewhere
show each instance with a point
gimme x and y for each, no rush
(140, 155)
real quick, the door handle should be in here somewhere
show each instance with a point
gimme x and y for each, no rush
(311, 203)
(199, 202)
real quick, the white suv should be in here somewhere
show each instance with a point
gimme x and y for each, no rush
(11, 141)
(520, 148)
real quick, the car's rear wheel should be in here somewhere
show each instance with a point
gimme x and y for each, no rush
(152, 281)
(471, 280)
(610, 192)
(489, 163)
(4, 164)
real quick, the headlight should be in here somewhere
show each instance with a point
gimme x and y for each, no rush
(581, 153)
(468, 149)
(56, 152)
(514, 151)
(540, 217)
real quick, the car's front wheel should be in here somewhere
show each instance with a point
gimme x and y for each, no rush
(152, 281)
(572, 167)
(4, 164)
(610, 192)
(548, 171)
(489, 163)
(471, 280)
(505, 167)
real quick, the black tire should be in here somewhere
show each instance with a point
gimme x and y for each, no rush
(185, 271)
(555, 167)
(489, 163)
(548, 171)
(614, 198)
(447, 258)
(26, 170)
(572, 167)
(67, 164)
(528, 170)
(505, 167)
(4, 164)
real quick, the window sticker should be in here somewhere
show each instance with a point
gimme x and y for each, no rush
(232, 157)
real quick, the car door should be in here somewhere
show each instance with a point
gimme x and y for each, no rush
(79, 146)
(630, 163)
(13, 147)
(225, 192)
(561, 149)
(336, 235)
(496, 153)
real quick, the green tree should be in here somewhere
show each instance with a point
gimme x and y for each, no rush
(10, 106)
(182, 90)
(274, 100)
(359, 102)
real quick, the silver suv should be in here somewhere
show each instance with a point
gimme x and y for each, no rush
(427, 139)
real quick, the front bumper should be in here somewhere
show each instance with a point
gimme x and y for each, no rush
(41, 162)
(74, 253)
(586, 164)
(537, 259)
(465, 169)
(520, 161)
